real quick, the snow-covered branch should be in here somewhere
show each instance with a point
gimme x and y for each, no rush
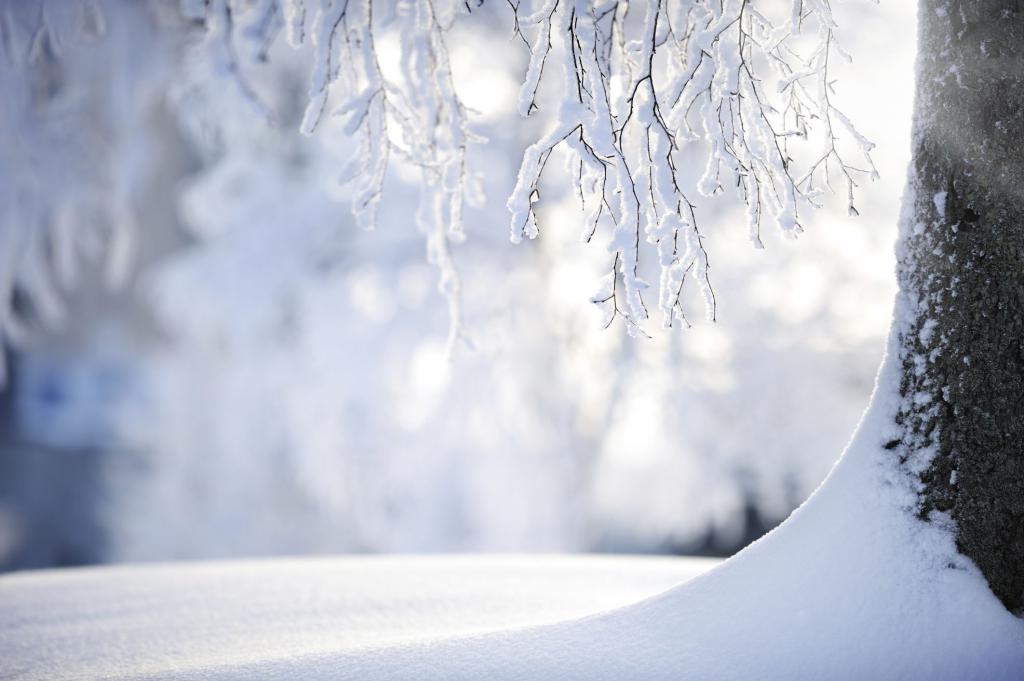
(643, 90)
(414, 115)
(643, 96)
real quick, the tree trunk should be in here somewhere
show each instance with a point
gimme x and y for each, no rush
(960, 312)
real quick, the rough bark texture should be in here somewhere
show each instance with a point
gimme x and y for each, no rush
(961, 271)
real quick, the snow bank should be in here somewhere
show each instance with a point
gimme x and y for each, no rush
(850, 587)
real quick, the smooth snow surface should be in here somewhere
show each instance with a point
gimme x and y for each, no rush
(258, 619)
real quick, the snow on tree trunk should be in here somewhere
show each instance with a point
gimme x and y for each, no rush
(961, 277)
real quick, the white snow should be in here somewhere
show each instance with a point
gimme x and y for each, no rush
(927, 331)
(216, 619)
(852, 586)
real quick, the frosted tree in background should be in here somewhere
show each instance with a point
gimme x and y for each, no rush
(330, 338)
(262, 241)
(57, 211)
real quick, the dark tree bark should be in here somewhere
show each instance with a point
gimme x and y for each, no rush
(961, 274)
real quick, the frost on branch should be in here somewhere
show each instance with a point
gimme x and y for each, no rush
(644, 88)
(413, 114)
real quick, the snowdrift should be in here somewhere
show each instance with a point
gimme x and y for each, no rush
(850, 587)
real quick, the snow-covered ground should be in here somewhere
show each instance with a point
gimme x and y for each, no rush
(852, 586)
(225, 619)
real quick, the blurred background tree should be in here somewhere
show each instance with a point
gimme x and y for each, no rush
(208, 358)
